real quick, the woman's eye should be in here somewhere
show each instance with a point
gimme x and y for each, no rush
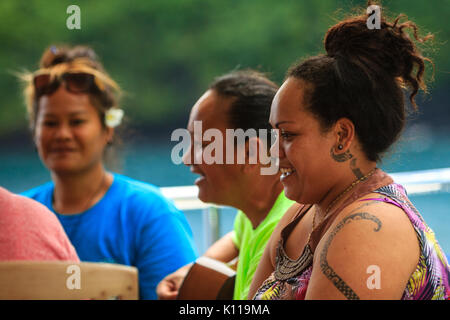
(286, 135)
(76, 122)
(49, 123)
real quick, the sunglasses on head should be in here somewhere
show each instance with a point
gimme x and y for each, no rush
(79, 82)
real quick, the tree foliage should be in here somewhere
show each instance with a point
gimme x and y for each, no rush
(165, 52)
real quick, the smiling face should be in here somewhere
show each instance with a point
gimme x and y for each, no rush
(304, 149)
(218, 183)
(69, 134)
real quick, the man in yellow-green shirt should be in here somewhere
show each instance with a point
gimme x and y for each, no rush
(238, 100)
(251, 243)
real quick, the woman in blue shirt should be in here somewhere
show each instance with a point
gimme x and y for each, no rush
(72, 106)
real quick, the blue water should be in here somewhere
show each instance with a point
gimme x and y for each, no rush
(150, 161)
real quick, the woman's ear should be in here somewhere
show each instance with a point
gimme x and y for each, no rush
(344, 135)
(109, 135)
(344, 131)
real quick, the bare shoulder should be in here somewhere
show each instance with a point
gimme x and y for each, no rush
(388, 223)
(368, 236)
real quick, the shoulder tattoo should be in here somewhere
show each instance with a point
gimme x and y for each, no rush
(327, 270)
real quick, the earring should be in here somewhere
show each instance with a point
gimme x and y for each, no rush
(340, 147)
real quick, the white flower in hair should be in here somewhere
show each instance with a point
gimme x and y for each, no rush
(113, 117)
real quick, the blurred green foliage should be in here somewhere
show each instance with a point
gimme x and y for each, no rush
(165, 52)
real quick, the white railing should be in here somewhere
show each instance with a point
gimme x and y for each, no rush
(416, 183)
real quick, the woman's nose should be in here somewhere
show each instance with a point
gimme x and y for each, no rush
(63, 132)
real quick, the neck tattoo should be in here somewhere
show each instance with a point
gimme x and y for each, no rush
(354, 183)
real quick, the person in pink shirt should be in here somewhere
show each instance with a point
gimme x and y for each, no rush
(29, 231)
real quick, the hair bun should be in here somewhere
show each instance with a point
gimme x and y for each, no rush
(388, 50)
(54, 55)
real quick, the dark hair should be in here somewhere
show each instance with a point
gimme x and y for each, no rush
(253, 93)
(361, 78)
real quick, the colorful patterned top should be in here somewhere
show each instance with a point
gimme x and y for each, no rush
(429, 281)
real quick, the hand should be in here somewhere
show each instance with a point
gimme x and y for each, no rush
(168, 288)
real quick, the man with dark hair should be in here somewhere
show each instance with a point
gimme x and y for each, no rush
(238, 100)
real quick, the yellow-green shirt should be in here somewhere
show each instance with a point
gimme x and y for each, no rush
(251, 243)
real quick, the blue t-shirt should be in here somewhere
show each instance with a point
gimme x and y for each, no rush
(133, 224)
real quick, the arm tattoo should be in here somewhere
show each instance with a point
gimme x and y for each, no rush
(326, 268)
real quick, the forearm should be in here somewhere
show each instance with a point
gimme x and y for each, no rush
(223, 249)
